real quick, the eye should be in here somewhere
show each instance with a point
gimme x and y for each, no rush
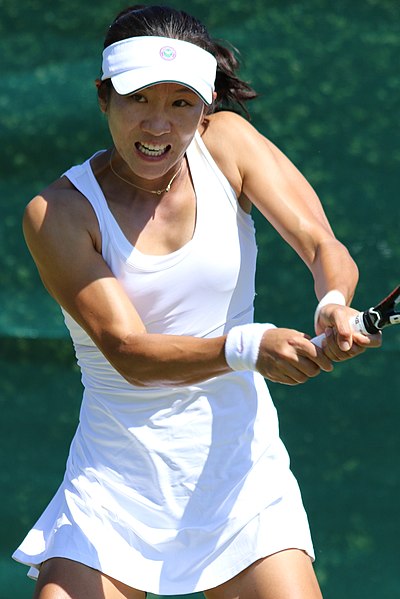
(138, 98)
(182, 103)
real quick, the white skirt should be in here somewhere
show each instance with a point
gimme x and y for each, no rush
(281, 525)
(195, 512)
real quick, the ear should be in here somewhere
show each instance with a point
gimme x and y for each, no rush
(102, 94)
(210, 109)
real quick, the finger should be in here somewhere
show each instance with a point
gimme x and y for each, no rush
(344, 332)
(352, 353)
(314, 355)
(277, 376)
(284, 379)
(323, 361)
(316, 360)
(333, 351)
(309, 364)
(335, 348)
(303, 369)
(368, 340)
(337, 317)
(294, 376)
(292, 373)
(330, 347)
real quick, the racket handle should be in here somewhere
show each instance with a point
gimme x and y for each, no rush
(356, 322)
(318, 340)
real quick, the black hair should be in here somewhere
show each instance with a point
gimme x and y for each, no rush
(163, 21)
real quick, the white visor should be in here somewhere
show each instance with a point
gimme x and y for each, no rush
(138, 62)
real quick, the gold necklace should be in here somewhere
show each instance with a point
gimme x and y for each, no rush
(155, 191)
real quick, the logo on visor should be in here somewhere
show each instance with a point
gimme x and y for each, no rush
(167, 53)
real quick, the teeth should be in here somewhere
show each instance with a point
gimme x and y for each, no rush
(152, 149)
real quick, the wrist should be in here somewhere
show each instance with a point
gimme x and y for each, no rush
(242, 345)
(332, 297)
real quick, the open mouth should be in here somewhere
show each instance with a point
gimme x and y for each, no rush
(154, 150)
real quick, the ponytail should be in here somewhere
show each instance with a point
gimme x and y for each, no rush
(232, 92)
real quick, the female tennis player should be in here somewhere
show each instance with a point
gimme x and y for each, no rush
(177, 480)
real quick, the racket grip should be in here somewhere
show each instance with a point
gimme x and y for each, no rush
(318, 340)
(356, 322)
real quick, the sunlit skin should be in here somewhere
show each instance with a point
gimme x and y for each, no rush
(63, 235)
(61, 229)
(166, 114)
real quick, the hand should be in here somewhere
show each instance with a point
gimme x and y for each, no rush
(288, 356)
(342, 343)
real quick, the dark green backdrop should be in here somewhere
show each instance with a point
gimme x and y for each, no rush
(329, 84)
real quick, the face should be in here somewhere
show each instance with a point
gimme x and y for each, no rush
(152, 128)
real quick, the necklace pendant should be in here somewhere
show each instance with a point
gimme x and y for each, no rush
(154, 191)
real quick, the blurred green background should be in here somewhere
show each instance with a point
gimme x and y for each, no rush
(329, 84)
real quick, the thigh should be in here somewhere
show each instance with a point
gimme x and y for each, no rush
(61, 578)
(288, 574)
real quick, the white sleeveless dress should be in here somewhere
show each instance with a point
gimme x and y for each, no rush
(174, 490)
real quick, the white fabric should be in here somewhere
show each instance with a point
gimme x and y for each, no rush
(242, 345)
(174, 490)
(138, 62)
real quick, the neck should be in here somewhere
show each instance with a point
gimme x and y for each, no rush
(153, 191)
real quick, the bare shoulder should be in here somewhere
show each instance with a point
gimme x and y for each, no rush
(60, 198)
(58, 210)
(224, 128)
(222, 134)
(236, 145)
(230, 134)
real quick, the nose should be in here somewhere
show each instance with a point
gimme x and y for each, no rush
(156, 123)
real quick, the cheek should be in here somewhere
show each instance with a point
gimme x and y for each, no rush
(119, 121)
(200, 113)
(189, 123)
(113, 127)
(119, 111)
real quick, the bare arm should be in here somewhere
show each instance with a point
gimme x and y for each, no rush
(63, 237)
(60, 230)
(264, 175)
(267, 179)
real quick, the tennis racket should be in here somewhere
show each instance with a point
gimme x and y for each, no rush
(373, 320)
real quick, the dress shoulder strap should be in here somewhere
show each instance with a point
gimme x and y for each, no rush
(83, 179)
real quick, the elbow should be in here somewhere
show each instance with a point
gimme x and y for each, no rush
(353, 271)
(333, 263)
(356, 272)
(133, 371)
(128, 358)
(355, 279)
(137, 360)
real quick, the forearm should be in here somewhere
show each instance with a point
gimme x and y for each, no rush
(336, 276)
(334, 268)
(281, 355)
(152, 360)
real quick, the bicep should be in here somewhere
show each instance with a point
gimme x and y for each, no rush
(64, 243)
(76, 275)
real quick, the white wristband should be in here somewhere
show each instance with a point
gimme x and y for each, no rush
(332, 297)
(242, 345)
